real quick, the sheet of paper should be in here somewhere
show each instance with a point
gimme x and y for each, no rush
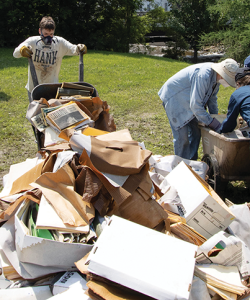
(79, 141)
(51, 137)
(62, 158)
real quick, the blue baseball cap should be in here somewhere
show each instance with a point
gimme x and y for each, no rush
(247, 62)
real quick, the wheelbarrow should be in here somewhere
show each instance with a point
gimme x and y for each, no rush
(227, 156)
(49, 90)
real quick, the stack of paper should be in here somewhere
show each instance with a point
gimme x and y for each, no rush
(226, 278)
(187, 233)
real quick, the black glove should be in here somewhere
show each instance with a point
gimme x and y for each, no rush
(215, 125)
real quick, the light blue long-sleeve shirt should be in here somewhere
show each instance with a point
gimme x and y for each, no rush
(186, 94)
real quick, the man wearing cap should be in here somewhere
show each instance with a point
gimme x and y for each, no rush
(239, 102)
(185, 97)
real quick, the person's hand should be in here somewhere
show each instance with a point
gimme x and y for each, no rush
(82, 48)
(26, 51)
(215, 125)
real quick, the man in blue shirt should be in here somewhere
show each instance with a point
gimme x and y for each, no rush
(185, 97)
(239, 102)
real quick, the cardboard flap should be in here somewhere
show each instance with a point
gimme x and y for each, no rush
(120, 158)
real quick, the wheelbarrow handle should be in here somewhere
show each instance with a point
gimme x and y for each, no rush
(81, 67)
(33, 72)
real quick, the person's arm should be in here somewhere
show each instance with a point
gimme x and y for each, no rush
(17, 53)
(200, 85)
(67, 48)
(21, 52)
(230, 122)
(212, 104)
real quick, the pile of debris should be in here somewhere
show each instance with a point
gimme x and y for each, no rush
(210, 54)
(95, 215)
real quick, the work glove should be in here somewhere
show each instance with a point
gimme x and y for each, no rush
(215, 125)
(26, 51)
(82, 48)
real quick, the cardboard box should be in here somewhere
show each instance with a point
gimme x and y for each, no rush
(143, 259)
(44, 252)
(203, 209)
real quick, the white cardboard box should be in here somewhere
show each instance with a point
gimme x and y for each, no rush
(204, 210)
(143, 259)
(44, 252)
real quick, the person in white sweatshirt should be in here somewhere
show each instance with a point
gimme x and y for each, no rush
(46, 51)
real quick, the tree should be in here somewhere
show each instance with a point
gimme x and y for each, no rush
(100, 24)
(191, 19)
(234, 31)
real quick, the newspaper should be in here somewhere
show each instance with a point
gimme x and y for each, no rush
(231, 251)
(66, 116)
(38, 122)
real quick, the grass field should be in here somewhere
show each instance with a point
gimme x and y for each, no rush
(128, 82)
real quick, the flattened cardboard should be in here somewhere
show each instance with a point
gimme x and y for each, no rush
(126, 253)
(204, 209)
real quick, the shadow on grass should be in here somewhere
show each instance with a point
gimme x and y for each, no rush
(4, 97)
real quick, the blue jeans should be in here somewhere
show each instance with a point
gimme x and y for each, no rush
(186, 140)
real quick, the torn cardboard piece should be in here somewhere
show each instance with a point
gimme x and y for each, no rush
(21, 175)
(58, 188)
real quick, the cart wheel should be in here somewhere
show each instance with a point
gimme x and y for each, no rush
(213, 170)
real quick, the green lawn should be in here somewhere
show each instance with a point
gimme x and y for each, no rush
(128, 82)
